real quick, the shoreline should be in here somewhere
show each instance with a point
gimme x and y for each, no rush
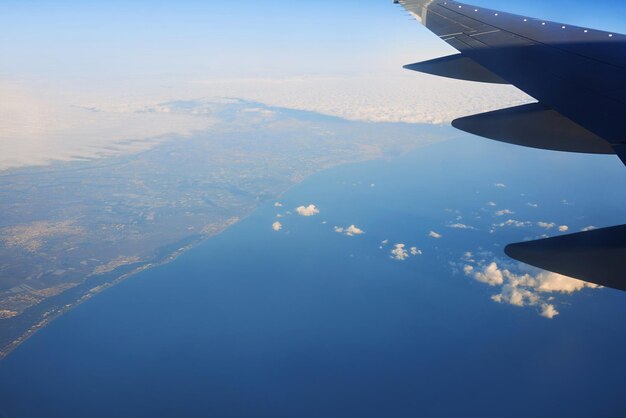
(89, 291)
(49, 316)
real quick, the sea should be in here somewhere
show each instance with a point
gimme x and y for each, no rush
(285, 315)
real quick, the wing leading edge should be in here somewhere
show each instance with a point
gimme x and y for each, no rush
(578, 77)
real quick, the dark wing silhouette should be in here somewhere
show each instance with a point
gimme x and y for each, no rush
(578, 77)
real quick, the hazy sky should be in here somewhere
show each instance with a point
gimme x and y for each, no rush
(231, 38)
(339, 57)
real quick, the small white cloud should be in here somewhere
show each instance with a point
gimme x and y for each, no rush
(468, 270)
(548, 311)
(512, 222)
(385, 242)
(277, 226)
(278, 205)
(399, 252)
(563, 228)
(310, 210)
(434, 234)
(504, 212)
(350, 231)
(589, 228)
(373, 185)
(532, 205)
(490, 275)
(546, 225)
(460, 226)
(415, 251)
(491, 204)
(353, 230)
(500, 185)
(468, 257)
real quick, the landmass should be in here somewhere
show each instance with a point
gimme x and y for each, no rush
(72, 229)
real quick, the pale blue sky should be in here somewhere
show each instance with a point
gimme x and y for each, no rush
(242, 38)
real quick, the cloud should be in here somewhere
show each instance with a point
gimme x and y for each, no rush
(277, 226)
(370, 97)
(433, 234)
(527, 289)
(353, 230)
(532, 205)
(548, 311)
(415, 251)
(40, 125)
(500, 185)
(278, 205)
(491, 204)
(504, 212)
(512, 222)
(460, 226)
(589, 228)
(490, 275)
(563, 228)
(546, 225)
(350, 231)
(399, 252)
(469, 257)
(310, 210)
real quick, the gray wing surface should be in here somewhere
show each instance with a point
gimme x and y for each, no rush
(578, 77)
(576, 74)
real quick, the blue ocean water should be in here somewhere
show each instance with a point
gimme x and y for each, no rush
(309, 322)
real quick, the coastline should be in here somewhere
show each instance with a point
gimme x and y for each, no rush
(91, 291)
(37, 317)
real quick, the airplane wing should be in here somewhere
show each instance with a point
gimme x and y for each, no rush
(578, 77)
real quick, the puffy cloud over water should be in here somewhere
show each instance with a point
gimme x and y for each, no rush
(310, 210)
(546, 225)
(527, 289)
(399, 252)
(460, 226)
(350, 231)
(504, 212)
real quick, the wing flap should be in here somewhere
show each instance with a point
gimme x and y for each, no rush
(456, 66)
(536, 126)
(593, 256)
